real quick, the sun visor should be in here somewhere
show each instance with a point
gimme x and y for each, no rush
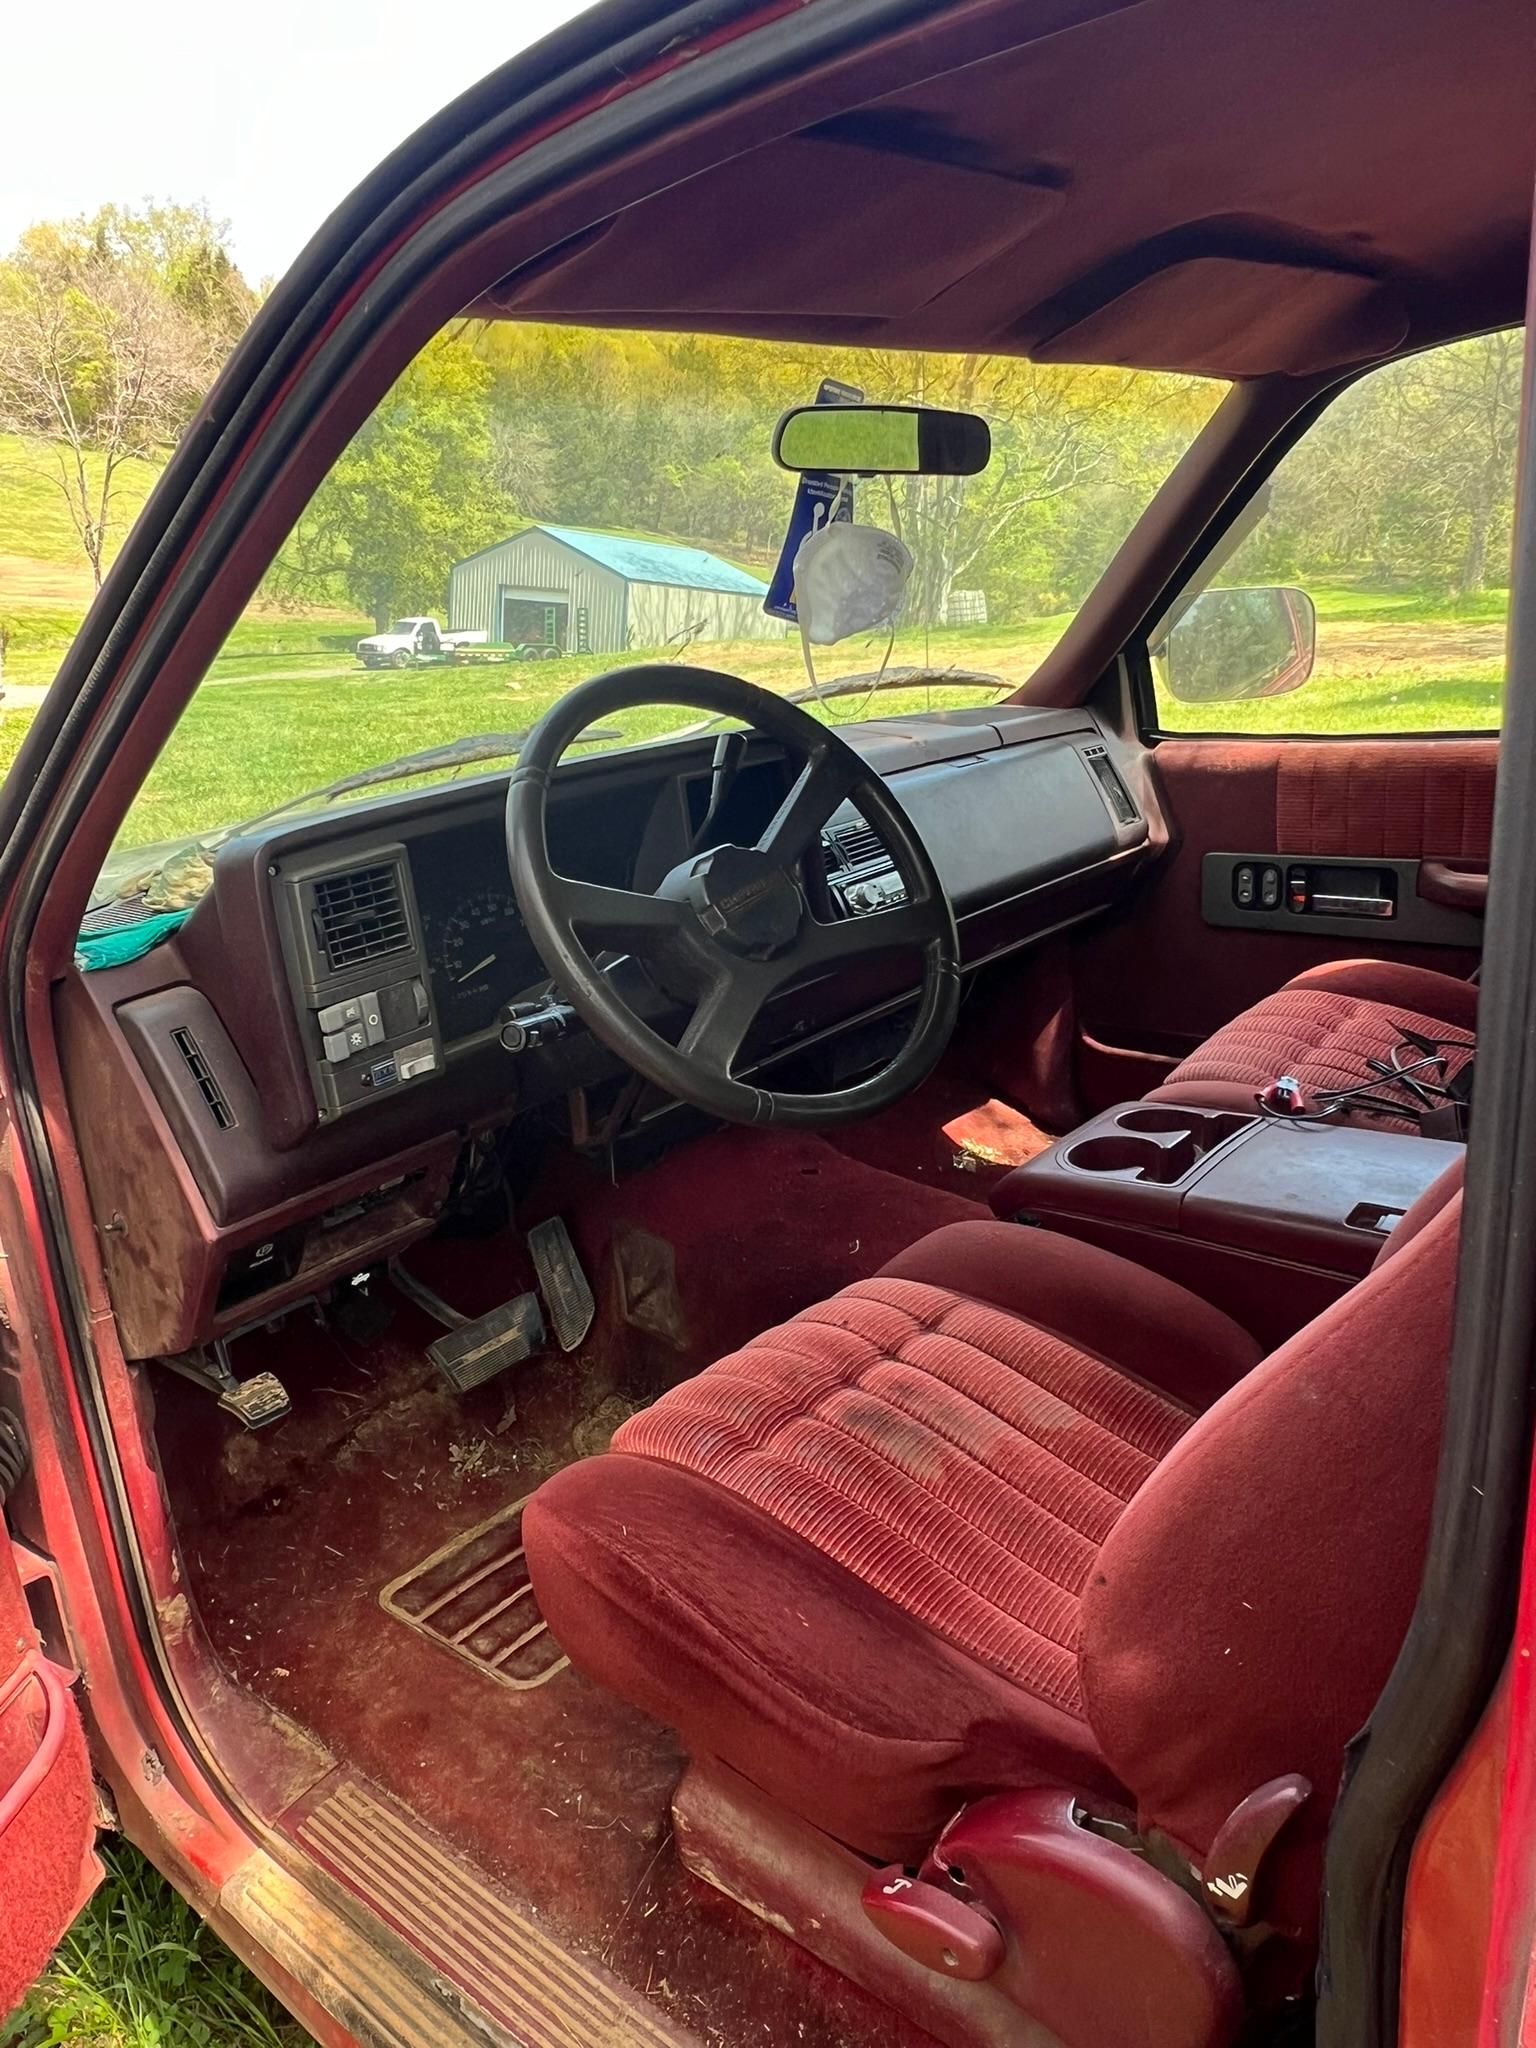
(836, 226)
(1220, 316)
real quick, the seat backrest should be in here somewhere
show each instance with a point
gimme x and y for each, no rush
(1245, 1612)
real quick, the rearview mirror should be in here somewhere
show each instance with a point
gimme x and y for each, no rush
(1232, 645)
(882, 440)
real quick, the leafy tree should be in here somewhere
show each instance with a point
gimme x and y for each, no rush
(1408, 478)
(111, 330)
(415, 491)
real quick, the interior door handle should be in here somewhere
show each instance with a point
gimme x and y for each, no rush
(1456, 888)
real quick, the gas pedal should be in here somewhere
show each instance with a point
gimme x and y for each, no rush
(562, 1282)
(475, 1352)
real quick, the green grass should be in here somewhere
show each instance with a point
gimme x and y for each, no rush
(1400, 701)
(34, 518)
(285, 707)
(1348, 601)
(140, 1970)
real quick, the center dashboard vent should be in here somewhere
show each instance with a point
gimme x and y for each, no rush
(361, 916)
(854, 845)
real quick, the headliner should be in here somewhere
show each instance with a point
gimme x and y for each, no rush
(1204, 185)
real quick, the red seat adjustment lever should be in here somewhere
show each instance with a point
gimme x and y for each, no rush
(931, 1926)
(1232, 1863)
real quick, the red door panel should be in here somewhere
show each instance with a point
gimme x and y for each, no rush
(47, 1864)
(1160, 979)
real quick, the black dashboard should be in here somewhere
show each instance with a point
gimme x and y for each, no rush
(326, 1027)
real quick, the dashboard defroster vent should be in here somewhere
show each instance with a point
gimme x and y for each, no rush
(360, 916)
(203, 1075)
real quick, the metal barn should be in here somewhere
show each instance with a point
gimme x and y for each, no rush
(598, 593)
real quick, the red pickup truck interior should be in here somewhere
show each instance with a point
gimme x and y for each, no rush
(975, 1480)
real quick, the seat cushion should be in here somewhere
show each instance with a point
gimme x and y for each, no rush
(848, 1559)
(1324, 1027)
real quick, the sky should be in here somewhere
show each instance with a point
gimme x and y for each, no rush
(270, 112)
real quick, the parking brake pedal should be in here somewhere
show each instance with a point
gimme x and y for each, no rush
(562, 1282)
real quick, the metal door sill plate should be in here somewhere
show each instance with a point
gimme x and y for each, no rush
(545, 1996)
(474, 1597)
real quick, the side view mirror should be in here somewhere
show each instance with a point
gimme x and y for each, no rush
(882, 440)
(1232, 645)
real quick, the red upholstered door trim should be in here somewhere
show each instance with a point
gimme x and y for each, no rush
(1159, 980)
(1393, 799)
(47, 1825)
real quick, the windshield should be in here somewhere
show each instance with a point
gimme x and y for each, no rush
(557, 502)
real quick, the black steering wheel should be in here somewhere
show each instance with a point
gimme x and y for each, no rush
(729, 927)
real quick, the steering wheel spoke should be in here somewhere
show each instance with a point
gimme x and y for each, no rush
(827, 780)
(725, 1014)
(626, 918)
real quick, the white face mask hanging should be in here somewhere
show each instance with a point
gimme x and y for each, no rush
(848, 579)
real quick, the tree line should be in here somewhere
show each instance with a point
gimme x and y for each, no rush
(112, 328)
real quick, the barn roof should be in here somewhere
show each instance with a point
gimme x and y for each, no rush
(655, 561)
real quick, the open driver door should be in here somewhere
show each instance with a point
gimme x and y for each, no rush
(48, 1865)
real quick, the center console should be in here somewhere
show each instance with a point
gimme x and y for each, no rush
(1267, 1220)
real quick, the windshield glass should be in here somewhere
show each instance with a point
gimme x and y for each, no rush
(557, 502)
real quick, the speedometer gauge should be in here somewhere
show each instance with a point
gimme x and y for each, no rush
(480, 959)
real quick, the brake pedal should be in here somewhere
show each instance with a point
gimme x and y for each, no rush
(476, 1351)
(562, 1282)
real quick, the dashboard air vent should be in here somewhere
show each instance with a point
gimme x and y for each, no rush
(360, 916)
(203, 1075)
(859, 843)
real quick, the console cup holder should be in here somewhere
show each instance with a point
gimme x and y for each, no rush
(1159, 1142)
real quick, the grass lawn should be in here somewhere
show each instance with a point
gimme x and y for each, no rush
(34, 518)
(140, 1970)
(285, 706)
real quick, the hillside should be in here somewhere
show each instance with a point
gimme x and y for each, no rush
(45, 583)
(34, 520)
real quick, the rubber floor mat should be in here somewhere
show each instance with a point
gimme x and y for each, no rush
(475, 1598)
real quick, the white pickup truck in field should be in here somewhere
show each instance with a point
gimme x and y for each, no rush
(411, 640)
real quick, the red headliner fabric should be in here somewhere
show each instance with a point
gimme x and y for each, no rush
(1039, 175)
